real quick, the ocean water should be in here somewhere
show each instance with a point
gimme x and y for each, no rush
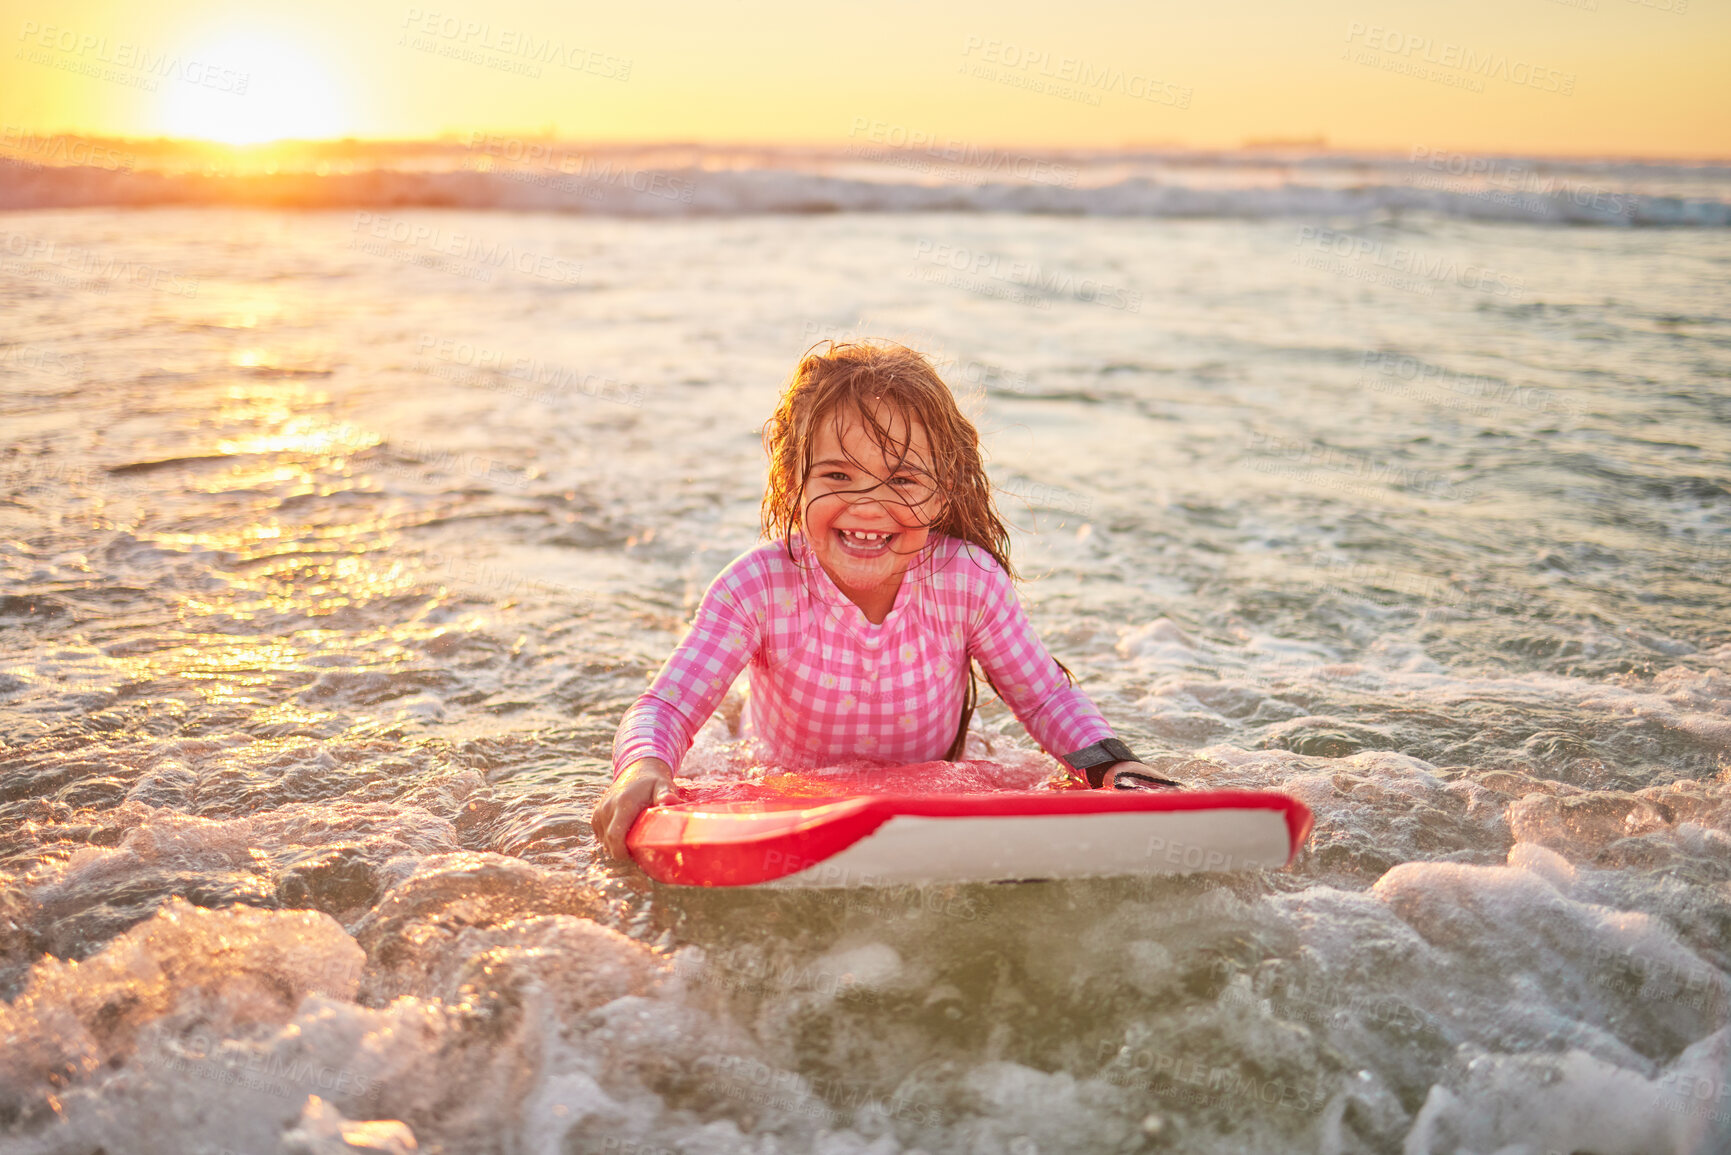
(335, 541)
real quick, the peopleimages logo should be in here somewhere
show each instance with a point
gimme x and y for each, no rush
(1402, 373)
(1489, 65)
(510, 49)
(482, 254)
(975, 263)
(477, 365)
(97, 56)
(576, 171)
(1413, 262)
(65, 150)
(895, 142)
(1511, 181)
(1074, 70)
(1168, 1074)
(79, 267)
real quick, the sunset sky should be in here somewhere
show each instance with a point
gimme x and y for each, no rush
(1625, 77)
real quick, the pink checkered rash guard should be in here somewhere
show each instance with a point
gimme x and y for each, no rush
(827, 685)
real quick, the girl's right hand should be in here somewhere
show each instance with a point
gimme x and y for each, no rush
(646, 782)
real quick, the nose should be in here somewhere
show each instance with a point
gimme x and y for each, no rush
(871, 494)
(875, 504)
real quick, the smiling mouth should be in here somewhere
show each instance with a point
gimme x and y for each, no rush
(861, 543)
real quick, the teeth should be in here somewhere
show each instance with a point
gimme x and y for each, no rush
(868, 538)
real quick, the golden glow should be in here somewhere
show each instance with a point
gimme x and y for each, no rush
(1645, 79)
(252, 89)
(232, 306)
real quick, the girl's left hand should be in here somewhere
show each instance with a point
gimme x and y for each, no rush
(1136, 776)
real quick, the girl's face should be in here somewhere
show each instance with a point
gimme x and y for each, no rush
(867, 517)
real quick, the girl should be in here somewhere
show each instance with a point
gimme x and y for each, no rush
(891, 572)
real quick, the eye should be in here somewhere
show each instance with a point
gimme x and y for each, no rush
(836, 475)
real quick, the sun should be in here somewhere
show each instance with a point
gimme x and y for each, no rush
(247, 88)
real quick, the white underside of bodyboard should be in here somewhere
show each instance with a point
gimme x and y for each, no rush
(918, 850)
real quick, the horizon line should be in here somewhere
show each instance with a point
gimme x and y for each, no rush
(1314, 146)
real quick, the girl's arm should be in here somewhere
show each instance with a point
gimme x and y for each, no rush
(663, 721)
(658, 729)
(1061, 718)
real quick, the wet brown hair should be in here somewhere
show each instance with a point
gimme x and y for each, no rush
(873, 381)
(887, 380)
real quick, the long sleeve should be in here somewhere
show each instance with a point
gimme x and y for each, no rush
(1061, 718)
(725, 634)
